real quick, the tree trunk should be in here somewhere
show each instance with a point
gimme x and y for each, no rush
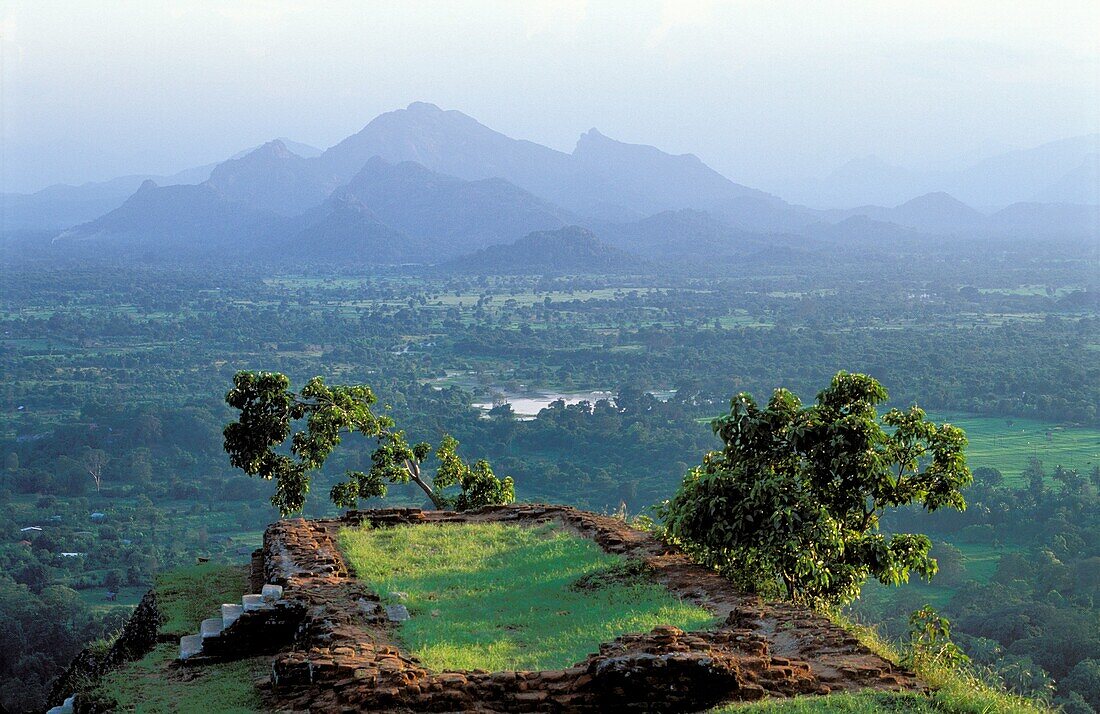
(414, 473)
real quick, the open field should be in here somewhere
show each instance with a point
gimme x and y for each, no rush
(1006, 444)
(498, 597)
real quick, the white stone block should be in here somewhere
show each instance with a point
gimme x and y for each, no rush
(211, 627)
(230, 613)
(271, 593)
(190, 645)
(252, 602)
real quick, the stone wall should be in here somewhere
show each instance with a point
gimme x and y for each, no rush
(345, 655)
(137, 638)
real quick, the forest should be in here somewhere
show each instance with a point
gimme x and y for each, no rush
(115, 376)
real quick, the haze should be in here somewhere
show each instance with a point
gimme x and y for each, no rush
(768, 93)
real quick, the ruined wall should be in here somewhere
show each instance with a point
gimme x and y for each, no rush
(137, 638)
(345, 655)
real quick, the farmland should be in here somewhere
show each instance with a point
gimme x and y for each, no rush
(134, 362)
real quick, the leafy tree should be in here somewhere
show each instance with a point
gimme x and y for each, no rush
(269, 411)
(930, 640)
(795, 496)
(1085, 680)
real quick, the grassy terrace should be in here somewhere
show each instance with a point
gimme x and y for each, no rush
(150, 685)
(502, 597)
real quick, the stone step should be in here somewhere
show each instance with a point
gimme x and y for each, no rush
(211, 627)
(230, 613)
(271, 593)
(252, 602)
(65, 708)
(190, 645)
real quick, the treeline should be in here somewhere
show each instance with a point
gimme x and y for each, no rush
(1035, 621)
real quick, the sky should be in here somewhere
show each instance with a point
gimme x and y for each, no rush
(764, 91)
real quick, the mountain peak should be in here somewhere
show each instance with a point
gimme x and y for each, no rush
(423, 108)
(936, 199)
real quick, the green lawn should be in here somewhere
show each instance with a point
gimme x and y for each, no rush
(499, 597)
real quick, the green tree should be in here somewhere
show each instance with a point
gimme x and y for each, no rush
(270, 411)
(1084, 679)
(794, 498)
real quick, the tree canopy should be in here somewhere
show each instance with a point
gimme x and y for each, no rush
(795, 495)
(269, 411)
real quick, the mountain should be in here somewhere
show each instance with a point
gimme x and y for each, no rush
(935, 213)
(273, 178)
(440, 184)
(1080, 185)
(176, 220)
(1017, 176)
(602, 178)
(642, 179)
(297, 147)
(569, 250)
(1063, 171)
(61, 205)
(344, 231)
(454, 215)
(452, 143)
(1047, 220)
(685, 235)
(862, 231)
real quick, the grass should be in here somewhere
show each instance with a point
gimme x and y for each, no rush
(499, 597)
(95, 597)
(148, 686)
(952, 691)
(1006, 444)
(187, 596)
(858, 703)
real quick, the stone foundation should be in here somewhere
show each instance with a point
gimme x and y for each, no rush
(344, 654)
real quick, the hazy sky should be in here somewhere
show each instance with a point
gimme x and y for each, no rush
(759, 90)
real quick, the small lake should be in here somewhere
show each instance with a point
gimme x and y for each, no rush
(528, 405)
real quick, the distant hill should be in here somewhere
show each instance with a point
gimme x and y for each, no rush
(931, 213)
(423, 183)
(273, 178)
(1063, 171)
(861, 230)
(344, 231)
(602, 178)
(62, 206)
(1048, 220)
(684, 235)
(184, 219)
(568, 250)
(453, 215)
